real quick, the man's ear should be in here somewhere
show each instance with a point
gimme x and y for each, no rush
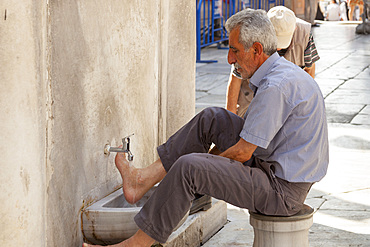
(258, 48)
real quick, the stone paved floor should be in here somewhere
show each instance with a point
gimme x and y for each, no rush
(342, 198)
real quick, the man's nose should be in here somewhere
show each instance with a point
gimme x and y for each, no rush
(231, 57)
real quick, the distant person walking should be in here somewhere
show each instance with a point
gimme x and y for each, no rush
(333, 11)
(310, 11)
(352, 5)
(343, 10)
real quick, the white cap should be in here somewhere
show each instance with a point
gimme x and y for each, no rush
(283, 20)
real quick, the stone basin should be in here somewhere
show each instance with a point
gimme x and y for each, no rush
(111, 220)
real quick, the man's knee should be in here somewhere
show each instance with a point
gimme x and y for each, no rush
(220, 115)
(189, 166)
(212, 111)
(185, 163)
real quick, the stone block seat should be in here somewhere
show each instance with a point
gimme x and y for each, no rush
(282, 231)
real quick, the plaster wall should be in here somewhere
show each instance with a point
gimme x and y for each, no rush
(181, 58)
(22, 123)
(76, 75)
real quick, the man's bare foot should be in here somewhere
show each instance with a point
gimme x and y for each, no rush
(116, 245)
(137, 181)
(133, 183)
(139, 239)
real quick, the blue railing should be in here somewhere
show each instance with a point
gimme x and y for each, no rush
(212, 16)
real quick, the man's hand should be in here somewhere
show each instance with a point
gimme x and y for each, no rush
(241, 151)
(215, 151)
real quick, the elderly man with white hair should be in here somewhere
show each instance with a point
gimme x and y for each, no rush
(295, 43)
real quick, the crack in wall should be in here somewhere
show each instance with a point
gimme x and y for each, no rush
(48, 111)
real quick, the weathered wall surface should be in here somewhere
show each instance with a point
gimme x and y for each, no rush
(103, 80)
(22, 123)
(74, 76)
(181, 50)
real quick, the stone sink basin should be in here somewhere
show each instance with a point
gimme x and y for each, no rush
(111, 219)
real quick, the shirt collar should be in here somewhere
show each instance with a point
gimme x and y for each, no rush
(263, 69)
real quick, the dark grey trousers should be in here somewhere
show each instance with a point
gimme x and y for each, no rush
(190, 170)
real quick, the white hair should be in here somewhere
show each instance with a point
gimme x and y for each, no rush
(255, 26)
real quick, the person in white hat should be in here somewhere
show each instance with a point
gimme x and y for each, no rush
(295, 43)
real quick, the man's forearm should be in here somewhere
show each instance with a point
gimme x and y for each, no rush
(311, 70)
(232, 93)
(242, 151)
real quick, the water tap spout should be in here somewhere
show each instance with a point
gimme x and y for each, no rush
(125, 148)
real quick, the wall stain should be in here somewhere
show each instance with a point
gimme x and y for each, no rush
(23, 218)
(25, 180)
(85, 203)
(5, 15)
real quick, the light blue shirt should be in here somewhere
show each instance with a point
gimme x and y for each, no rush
(286, 120)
